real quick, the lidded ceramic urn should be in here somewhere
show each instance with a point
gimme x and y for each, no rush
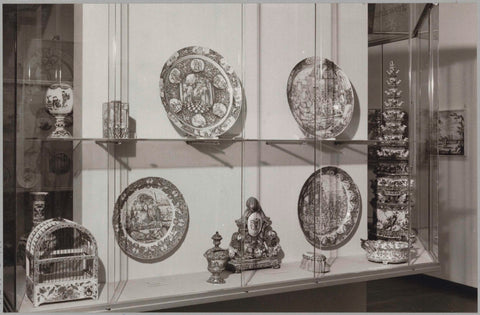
(217, 260)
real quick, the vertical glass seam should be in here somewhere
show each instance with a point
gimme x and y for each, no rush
(412, 116)
(14, 302)
(315, 123)
(242, 143)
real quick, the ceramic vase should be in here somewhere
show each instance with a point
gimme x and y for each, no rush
(38, 207)
(38, 216)
(217, 260)
(59, 103)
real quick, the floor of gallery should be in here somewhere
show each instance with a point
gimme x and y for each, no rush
(417, 293)
(420, 293)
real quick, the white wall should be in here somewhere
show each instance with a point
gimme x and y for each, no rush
(457, 83)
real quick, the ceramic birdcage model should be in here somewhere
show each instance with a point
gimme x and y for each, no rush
(393, 180)
(61, 262)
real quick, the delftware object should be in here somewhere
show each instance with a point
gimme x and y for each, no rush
(393, 153)
(392, 221)
(29, 178)
(201, 93)
(320, 97)
(115, 120)
(451, 132)
(374, 123)
(315, 263)
(255, 245)
(38, 207)
(60, 163)
(59, 103)
(386, 252)
(389, 168)
(329, 208)
(217, 260)
(150, 219)
(393, 185)
(61, 262)
(38, 215)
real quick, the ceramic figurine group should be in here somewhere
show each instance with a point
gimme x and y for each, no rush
(254, 246)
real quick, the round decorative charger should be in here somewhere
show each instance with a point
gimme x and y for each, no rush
(201, 93)
(150, 219)
(329, 208)
(320, 97)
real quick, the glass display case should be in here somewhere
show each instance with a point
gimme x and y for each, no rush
(215, 151)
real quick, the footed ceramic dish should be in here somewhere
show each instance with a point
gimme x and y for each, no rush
(386, 252)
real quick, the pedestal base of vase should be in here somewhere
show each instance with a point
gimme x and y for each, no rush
(60, 131)
(216, 279)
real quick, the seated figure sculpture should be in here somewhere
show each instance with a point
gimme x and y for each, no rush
(255, 245)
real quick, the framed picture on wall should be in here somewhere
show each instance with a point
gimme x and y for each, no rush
(451, 132)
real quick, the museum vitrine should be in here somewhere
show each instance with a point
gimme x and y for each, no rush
(160, 155)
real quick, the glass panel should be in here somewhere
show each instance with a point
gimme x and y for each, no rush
(44, 57)
(290, 179)
(434, 136)
(388, 22)
(394, 212)
(217, 30)
(69, 182)
(277, 166)
(274, 174)
(181, 83)
(9, 157)
(175, 196)
(424, 63)
(274, 72)
(341, 162)
(54, 174)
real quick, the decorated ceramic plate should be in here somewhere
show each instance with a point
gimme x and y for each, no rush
(201, 93)
(329, 208)
(332, 97)
(150, 219)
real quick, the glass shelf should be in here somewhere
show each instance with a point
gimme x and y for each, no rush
(196, 141)
(34, 82)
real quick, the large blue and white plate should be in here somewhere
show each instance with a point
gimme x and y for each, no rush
(329, 208)
(320, 97)
(150, 219)
(201, 93)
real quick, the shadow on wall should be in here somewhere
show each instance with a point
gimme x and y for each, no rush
(458, 174)
(456, 78)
